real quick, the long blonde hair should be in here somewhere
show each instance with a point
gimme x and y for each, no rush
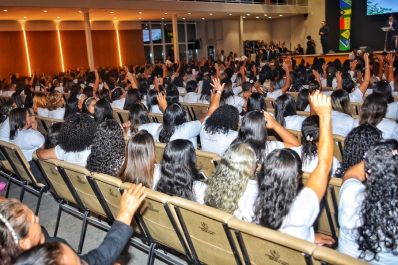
(229, 182)
(39, 101)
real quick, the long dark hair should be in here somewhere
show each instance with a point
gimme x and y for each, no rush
(103, 111)
(17, 119)
(225, 118)
(302, 99)
(378, 211)
(279, 181)
(285, 105)
(71, 107)
(132, 96)
(151, 99)
(206, 90)
(138, 115)
(341, 101)
(309, 138)
(373, 109)
(178, 169)
(256, 101)
(384, 89)
(174, 115)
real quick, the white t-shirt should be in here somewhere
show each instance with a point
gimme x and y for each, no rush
(352, 194)
(272, 145)
(309, 166)
(342, 124)
(302, 214)
(155, 109)
(237, 90)
(236, 101)
(78, 158)
(59, 89)
(42, 112)
(118, 104)
(389, 129)
(188, 130)
(5, 130)
(29, 141)
(218, 142)
(275, 94)
(191, 97)
(294, 122)
(324, 82)
(153, 128)
(57, 113)
(392, 111)
(356, 96)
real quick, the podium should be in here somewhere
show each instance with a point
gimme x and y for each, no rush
(386, 30)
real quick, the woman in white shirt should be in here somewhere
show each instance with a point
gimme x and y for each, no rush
(285, 113)
(228, 96)
(56, 105)
(367, 207)
(205, 94)
(383, 88)
(342, 121)
(139, 120)
(191, 96)
(281, 203)
(179, 175)
(373, 111)
(139, 163)
(152, 102)
(74, 140)
(234, 187)
(118, 98)
(40, 104)
(220, 130)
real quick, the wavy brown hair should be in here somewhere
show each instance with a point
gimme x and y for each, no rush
(55, 100)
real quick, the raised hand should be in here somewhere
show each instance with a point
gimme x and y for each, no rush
(271, 122)
(216, 84)
(162, 102)
(130, 202)
(321, 104)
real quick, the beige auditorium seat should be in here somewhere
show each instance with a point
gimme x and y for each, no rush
(198, 111)
(324, 255)
(205, 231)
(260, 245)
(155, 117)
(270, 103)
(121, 116)
(20, 173)
(44, 123)
(338, 146)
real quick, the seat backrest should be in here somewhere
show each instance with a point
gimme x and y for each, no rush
(338, 146)
(159, 149)
(303, 113)
(159, 222)
(155, 117)
(107, 188)
(205, 162)
(270, 103)
(355, 108)
(293, 94)
(56, 181)
(262, 245)
(123, 115)
(329, 256)
(205, 231)
(116, 116)
(18, 162)
(198, 110)
(78, 177)
(45, 123)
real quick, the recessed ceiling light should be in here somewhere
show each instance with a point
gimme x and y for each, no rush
(45, 11)
(140, 12)
(189, 13)
(203, 18)
(5, 10)
(80, 11)
(265, 15)
(248, 15)
(165, 13)
(162, 17)
(139, 18)
(281, 15)
(25, 17)
(211, 14)
(230, 14)
(269, 17)
(183, 18)
(257, 17)
(114, 17)
(243, 17)
(112, 12)
(58, 17)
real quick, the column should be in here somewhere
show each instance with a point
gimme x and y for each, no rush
(89, 42)
(175, 38)
(241, 36)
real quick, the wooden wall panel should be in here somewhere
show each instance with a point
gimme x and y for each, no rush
(74, 49)
(12, 54)
(44, 51)
(132, 47)
(105, 48)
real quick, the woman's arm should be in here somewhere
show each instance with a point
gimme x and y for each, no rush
(215, 99)
(289, 140)
(45, 154)
(391, 59)
(286, 87)
(319, 178)
(364, 86)
(355, 172)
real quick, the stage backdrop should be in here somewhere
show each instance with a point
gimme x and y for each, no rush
(365, 30)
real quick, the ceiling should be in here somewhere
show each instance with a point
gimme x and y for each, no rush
(141, 11)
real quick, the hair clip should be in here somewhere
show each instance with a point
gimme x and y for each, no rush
(9, 227)
(309, 138)
(394, 152)
(369, 171)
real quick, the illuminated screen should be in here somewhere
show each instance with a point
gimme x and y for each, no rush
(378, 7)
(156, 34)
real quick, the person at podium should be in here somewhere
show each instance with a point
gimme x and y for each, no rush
(324, 33)
(392, 34)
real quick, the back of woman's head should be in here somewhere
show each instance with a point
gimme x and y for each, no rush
(132, 96)
(71, 107)
(309, 138)
(138, 115)
(104, 94)
(172, 95)
(222, 120)
(52, 135)
(256, 102)
(103, 111)
(77, 133)
(5, 109)
(14, 225)
(191, 86)
(88, 91)
(229, 182)
(138, 166)
(17, 119)
(302, 99)
(341, 101)
(45, 254)
(151, 99)
(39, 101)
(356, 144)
(285, 106)
(17, 100)
(383, 89)
(107, 150)
(373, 109)
(206, 90)
(55, 100)
(174, 115)
(253, 132)
(348, 83)
(178, 169)
(378, 210)
(116, 93)
(279, 183)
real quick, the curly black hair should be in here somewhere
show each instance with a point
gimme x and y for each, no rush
(77, 132)
(378, 210)
(51, 139)
(225, 118)
(107, 151)
(279, 181)
(178, 169)
(309, 138)
(356, 144)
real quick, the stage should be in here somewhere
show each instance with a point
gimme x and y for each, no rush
(329, 57)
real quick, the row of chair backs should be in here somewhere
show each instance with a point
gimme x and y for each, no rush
(44, 123)
(204, 234)
(196, 111)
